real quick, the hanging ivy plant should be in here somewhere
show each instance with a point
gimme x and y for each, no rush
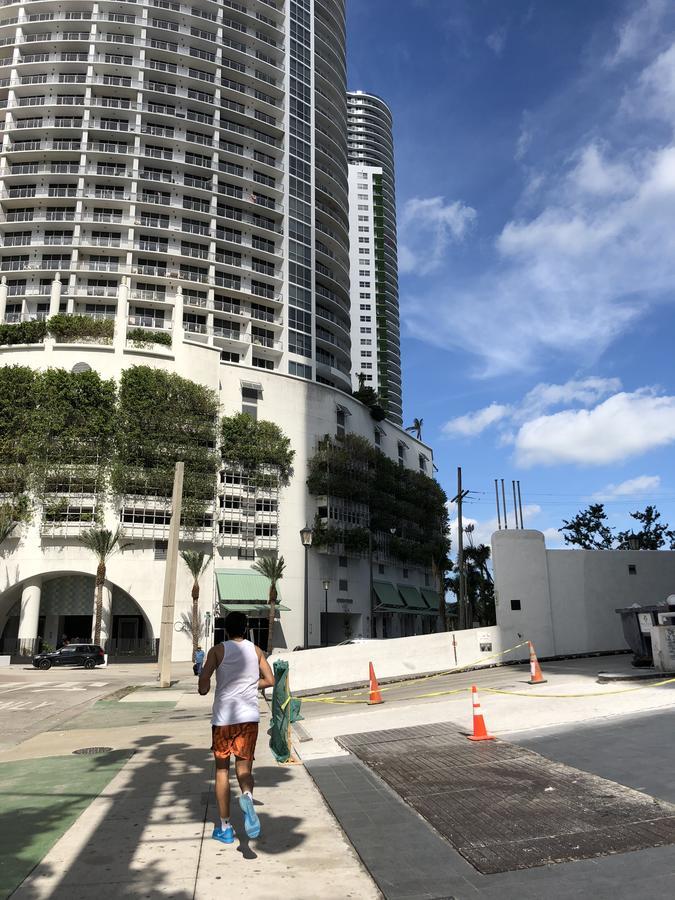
(399, 499)
(163, 418)
(255, 444)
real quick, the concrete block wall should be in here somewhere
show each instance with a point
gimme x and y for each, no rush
(395, 658)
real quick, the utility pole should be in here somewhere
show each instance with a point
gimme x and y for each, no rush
(461, 604)
(169, 598)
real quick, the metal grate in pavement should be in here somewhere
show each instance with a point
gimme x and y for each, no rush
(504, 807)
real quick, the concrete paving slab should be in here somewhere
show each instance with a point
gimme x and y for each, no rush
(149, 833)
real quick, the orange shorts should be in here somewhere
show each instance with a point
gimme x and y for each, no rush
(235, 740)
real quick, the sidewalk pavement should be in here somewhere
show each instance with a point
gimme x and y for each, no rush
(148, 834)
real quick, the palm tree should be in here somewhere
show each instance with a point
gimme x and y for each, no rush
(103, 544)
(190, 628)
(274, 570)
(416, 428)
(196, 563)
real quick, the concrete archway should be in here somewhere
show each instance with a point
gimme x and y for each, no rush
(49, 605)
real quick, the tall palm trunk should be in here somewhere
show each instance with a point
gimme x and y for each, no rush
(270, 617)
(195, 617)
(98, 608)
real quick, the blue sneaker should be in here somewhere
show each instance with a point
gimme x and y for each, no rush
(251, 820)
(224, 835)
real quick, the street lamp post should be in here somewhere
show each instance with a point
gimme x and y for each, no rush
(306, 535)
(324, 636)
(634, 541)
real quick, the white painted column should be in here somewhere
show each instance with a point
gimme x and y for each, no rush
(177, 331)
(30, 612)
(121, 319)
(55, 296)
(106, 614)
(3, 298)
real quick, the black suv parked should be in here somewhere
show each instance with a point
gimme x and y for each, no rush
(87, 655)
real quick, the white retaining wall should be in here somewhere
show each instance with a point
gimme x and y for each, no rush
(395, 658)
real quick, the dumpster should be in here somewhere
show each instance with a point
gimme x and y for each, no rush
(637, 622)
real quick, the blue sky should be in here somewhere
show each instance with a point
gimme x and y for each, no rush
(535, 148)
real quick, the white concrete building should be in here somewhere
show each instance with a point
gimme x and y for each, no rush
(183, 170)
(564, 601)
(376, 337)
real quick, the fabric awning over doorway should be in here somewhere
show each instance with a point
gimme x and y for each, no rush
(413, 598)
(253, 609)
(245, 590)
(388, 598)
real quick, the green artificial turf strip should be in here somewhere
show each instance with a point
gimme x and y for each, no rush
(40, 799)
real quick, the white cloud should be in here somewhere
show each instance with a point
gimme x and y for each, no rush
(541, 398)
(632, 487)
(622, 426)
(595, 175)
(584, 391)
(524, 139)
(638, 31)
(574, 274)
(428, 225)
(496, 40)
(475, 423)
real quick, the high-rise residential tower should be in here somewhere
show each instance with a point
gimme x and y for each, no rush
(374, 264)
(174, 205)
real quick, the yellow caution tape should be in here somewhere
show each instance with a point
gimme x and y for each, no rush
(398, 682)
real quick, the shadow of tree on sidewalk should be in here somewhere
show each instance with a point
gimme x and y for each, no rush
(148, 841)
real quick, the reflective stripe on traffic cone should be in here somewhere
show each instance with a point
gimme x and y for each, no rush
(479, 730)
(375, 695)
(535, 669)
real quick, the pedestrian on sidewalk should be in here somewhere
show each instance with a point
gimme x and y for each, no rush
(198, 661)
(241, 669)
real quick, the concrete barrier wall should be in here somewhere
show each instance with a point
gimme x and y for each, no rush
(395, 658)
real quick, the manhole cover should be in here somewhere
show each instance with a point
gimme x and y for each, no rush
(91, 751)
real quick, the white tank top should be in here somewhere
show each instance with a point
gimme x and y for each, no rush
(236, 699)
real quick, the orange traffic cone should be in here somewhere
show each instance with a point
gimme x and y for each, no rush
(375, 695)
(480, 732)
(535, 669)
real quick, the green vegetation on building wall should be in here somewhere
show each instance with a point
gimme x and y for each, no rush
(395, 499)
(74, 433)
(256, 444)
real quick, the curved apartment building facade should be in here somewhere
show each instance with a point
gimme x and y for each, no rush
(373, 221)
(144, 159)
(180, 172)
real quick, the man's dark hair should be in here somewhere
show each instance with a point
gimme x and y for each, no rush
(235, 624)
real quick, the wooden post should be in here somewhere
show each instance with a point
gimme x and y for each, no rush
(169, 598)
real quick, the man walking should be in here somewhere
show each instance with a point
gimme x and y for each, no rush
(241, 669)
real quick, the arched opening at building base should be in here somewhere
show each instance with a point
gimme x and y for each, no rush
(46, 611)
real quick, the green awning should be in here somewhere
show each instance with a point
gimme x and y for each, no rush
(431, 597)
(252, 609)
(387, 596)
(413, 598)
(242, 585)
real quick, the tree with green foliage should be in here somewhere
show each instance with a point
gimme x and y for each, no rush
(273, 569)
(588, 530)
(256, 444)
(479, 583)
(103, 544)
(197, 563)
(653, 533)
